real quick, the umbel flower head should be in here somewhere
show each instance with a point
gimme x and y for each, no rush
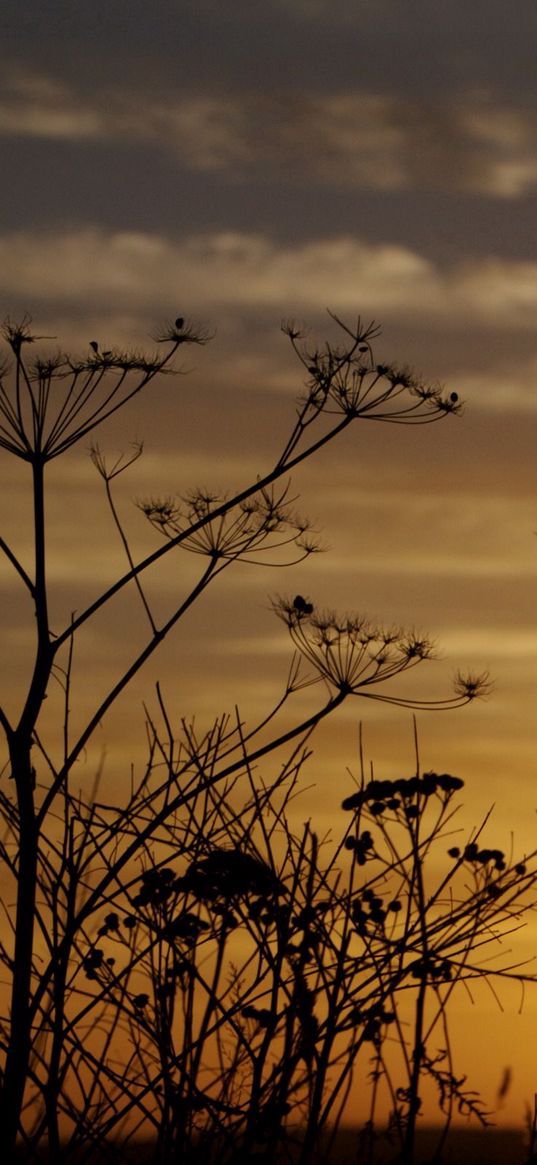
(258, 525)
(48, 404)
(354, 656)
(347, 379)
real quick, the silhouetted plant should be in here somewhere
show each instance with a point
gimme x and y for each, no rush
(229, 978)
(425, 935)
(65, 862)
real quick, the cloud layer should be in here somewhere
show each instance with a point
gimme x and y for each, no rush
(363, 139)
(247, 271)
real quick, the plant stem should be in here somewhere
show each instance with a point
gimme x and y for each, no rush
(20, 745)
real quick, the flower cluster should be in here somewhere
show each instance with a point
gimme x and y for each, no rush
(158, 884)
(350, 652)
(382, 795)
(369, 908)
(347, 379)
(431, 969)
(186, 925)
(49, 403)
(372, 1020)
(362, 846)
(228, 874)
(161, 890)
(110, 924)
(214, 525)
(93, 962)
(388, 392)
(481, 857)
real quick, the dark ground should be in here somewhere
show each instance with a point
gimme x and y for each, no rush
(465, 1146)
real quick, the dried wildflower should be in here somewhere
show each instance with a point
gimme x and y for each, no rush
(411, 812)
(227, 873)
(92, 962)
(182, 331)
(157, 885)
(484, 857)
(347, 379)
(48, 405)
(448, 783)
(111, 923)
(186, 926)
(349, 652)
(379, 794)
(472, 686)
(302, 606)
(293, 330)
(372, 1021)
(205, 522)
(431, 969)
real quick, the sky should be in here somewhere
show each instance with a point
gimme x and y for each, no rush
(240, 164)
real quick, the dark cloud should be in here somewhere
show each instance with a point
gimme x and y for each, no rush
(418, 47)
(412, 123)
(356, 140)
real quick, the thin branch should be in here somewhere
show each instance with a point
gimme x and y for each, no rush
(221, 510)
(18, 567)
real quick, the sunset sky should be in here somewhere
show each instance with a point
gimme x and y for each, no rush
(239, 163)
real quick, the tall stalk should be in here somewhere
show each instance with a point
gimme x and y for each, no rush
(20, 747)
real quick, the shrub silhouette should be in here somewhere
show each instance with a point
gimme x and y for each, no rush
(183, 965)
